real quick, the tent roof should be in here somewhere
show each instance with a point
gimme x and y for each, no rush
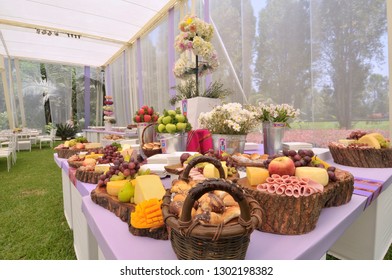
(104, 27)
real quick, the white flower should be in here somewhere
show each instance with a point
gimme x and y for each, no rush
(230, 118)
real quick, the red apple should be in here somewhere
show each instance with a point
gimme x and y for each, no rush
(145, 107)
(282, 166)
(150, 111)
(141, 112)
(137, 118)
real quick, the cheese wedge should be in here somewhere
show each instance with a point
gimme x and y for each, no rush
(317, 174)
(102, 168)
(148, 187)
(114, 187)
(210, 171)
(256, 175)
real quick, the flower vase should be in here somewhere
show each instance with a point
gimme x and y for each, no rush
(229, 143)
(273, 133)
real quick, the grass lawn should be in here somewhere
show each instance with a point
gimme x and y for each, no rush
(33, 226)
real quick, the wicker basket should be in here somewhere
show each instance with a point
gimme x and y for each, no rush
(357, 157)
(67, 153)
(192, 240)
(75, 163)
(147, 152)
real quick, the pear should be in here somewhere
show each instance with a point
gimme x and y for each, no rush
(126, 192)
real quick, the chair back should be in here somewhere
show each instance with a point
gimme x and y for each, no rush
(53, 133)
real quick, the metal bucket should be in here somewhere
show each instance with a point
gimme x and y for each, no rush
(149, 133)
(229, 143)
(273, 137)
(171, 143)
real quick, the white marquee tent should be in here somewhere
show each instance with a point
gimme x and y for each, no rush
(88, 32)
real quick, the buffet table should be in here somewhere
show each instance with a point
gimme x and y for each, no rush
(370, 236)
(340, 231)
(116, 243)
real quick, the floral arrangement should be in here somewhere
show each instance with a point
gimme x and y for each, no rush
(230, 118)
(108, 110)
(145, 114)
(282, 113)
(195, 36)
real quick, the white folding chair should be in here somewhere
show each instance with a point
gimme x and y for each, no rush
(5, 153)
(48, 138)
(11, 143)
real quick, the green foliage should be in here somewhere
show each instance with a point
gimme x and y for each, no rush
(66, 131)
(188, 90)
(33, 226)
(49, 126)
(3, 120)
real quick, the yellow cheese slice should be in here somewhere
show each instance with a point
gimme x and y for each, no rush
(256, 175)
(210, 171)
(148, 187)
(317, 174)
(114, 187)
(101, 168)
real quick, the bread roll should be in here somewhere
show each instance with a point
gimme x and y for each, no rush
(230, 214)
(228, 200)
(175, 207)
(180, 186)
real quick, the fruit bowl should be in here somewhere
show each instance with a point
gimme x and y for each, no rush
(361, 149)
(360, 156)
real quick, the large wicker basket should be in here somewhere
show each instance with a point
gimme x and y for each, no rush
(193, 240)
(148, 152)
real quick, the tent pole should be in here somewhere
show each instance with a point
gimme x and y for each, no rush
(20, 94)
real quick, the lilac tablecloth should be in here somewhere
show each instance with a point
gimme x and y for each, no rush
(59, 161)
(116, 242)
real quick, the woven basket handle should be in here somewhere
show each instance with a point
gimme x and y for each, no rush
(211, 185)
(144, 129)
(185, 175)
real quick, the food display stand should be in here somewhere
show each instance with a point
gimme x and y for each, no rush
(360, 229)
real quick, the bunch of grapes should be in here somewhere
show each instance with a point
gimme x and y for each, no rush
(331, 173)
(300, 158)
(128, 170)
(110, 154)
(356, 134)
(222, 157)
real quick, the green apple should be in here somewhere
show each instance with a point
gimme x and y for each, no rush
(180, 118)
(126, 192)
(181, 126)
(171, 112)
(171, 128)
(161, 127)
(166, 120)
(160, 119)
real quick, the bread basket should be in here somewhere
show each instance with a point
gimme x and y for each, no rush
(148, 152)
(192, 240)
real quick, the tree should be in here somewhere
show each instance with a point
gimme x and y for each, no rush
(376, 98)
(349, 39)
(283, 64)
